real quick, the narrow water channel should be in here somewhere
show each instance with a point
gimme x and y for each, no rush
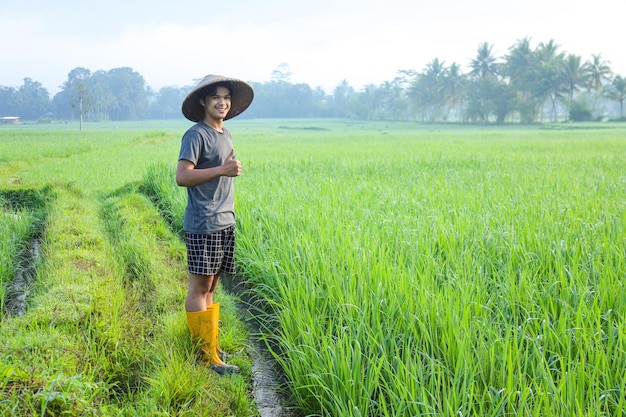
(266, 378)
(265, 383)
(18, 290)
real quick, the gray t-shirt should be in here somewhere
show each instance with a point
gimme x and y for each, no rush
(210, 206)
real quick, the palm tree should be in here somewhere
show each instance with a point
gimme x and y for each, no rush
(454, 86)
(485, 64)
(396, 102)
(341, 98)
(518, 67)
(485, 86)
(599, 71)
(434, 79)
(519, 63)
(617, 92)
(427, 90)
(549, 76)
(383, 101)
(576, 76)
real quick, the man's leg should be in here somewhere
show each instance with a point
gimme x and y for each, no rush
(199, 294)
(213, 287)
(203, 320)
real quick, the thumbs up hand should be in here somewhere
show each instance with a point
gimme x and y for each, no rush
(231, 166)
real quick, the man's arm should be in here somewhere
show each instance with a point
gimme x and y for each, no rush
(188, 176)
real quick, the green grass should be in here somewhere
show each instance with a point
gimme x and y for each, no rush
(398, 269)
(105, 331)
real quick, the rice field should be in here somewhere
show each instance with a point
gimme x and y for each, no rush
(441, 272)
(407, 270)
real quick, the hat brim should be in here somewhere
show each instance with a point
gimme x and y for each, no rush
(241, 95)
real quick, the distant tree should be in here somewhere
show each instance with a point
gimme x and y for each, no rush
(392, 102)
(433, 84)
(282, 73)
(60, 107)
(130, 94)
(284, 99)
(576, 76)
(430, 91)
(167, 103)
(485, 64)
(405, 77)
(579, 111)
(599, 72)
(32, 100)
(77, 91)
(549, 80)
(455, 85)
(363, 103)
(382, 102)
(485, 90)
(617, 91)
(519, 65)
(104, 99)
(8, 106)
(503, 98)
(484, 96)
(322, 102)
(300, 97)
(271, 100)
(342, 96)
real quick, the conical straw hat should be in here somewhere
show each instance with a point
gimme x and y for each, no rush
(241, 95)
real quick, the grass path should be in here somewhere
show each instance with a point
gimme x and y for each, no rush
(104, 332)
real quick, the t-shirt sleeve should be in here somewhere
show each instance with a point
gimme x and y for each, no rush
(190, 147)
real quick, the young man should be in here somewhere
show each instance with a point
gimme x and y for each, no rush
(207, 166)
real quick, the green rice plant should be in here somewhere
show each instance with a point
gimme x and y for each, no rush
(15, 229)
(458, 272)
(120, 228)
(159, 184)
(22, 215)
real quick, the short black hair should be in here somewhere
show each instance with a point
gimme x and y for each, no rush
(212, 89)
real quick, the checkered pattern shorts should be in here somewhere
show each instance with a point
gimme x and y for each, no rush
(208, 254)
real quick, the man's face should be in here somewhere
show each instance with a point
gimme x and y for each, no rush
(217, 106)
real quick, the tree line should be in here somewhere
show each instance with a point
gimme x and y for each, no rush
(526, 85)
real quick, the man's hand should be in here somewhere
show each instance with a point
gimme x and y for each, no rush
(231, 166)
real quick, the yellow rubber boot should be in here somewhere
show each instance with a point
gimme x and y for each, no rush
(223, 355)
(203, 328)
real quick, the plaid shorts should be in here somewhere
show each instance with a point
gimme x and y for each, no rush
(208, 254)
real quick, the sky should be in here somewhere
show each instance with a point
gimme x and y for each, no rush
(323, 42)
